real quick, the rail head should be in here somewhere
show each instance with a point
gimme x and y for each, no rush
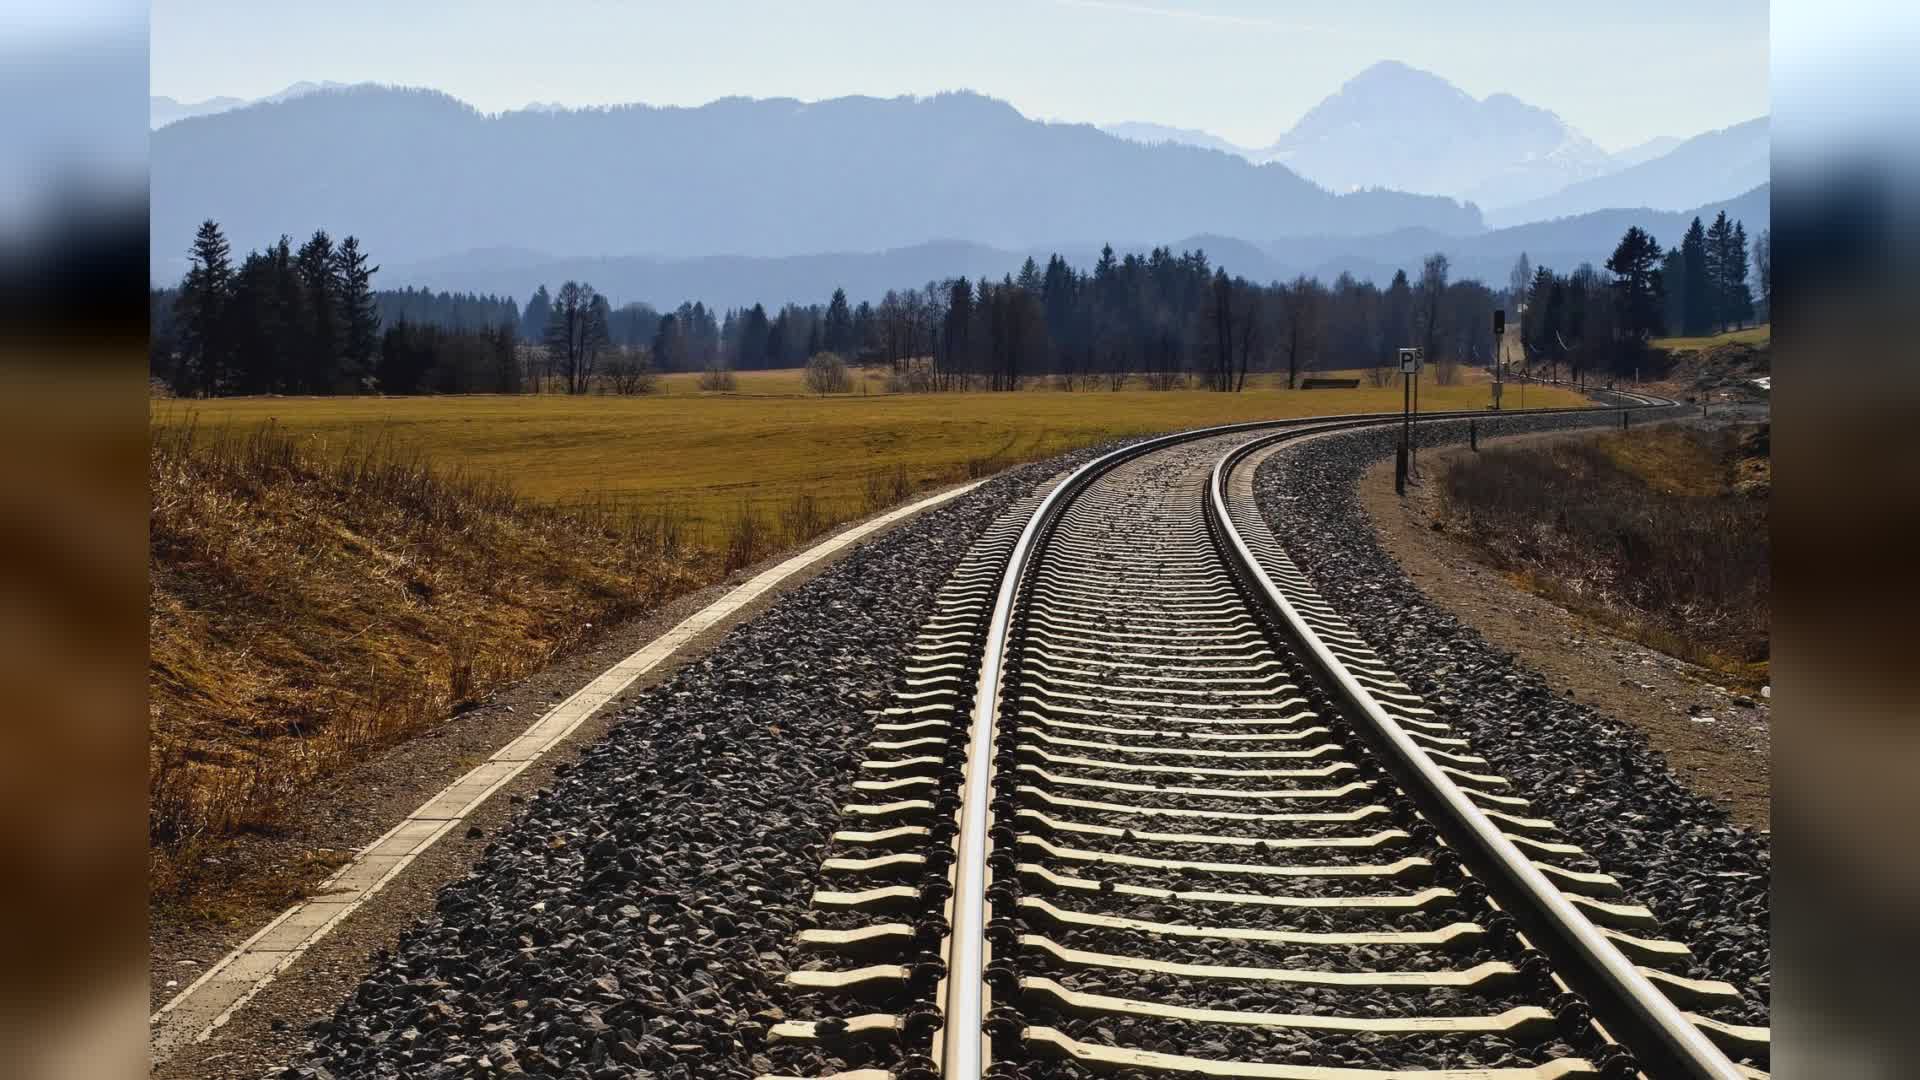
(1635, 1012)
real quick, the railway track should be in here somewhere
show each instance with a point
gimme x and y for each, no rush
(1143, 805)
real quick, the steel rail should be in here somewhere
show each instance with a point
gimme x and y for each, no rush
(1634, 1011)
(960, 1045)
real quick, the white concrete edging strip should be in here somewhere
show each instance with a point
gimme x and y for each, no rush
(212, 999)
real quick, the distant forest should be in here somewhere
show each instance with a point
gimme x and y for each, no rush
(307, 320)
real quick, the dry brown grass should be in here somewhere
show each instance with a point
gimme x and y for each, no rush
(307, 607)
(1649, 532)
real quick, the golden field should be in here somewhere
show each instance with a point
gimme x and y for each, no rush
(709, 454)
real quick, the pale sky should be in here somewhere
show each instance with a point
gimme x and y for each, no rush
(1622, 71)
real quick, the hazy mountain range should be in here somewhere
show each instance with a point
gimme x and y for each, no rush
(1694, 171)
(742, 200)
(416, 174)
(737, 280)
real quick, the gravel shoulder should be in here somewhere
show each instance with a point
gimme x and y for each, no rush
(1705, 876)
(1716, 740)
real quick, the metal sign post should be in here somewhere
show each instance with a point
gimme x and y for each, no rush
(1408, 363)
(1499, 332)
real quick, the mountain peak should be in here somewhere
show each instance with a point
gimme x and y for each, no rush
(1395, 77)
(1398, 126)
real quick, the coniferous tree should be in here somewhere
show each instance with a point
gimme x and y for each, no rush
(1739, 294)
(669, 344)
(1639, 297)
(1396, 313)
(205, 342)
(1673, 275)
(533, 325)
(360, 322)
(754, 333)
(1719, 253)
(320, 281)
(1696, 287)
(837, 335)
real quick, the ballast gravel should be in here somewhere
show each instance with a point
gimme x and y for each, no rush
(1704, 877)
(636, 919)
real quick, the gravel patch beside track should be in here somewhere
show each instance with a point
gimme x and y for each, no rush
(637, 917)
(1706, 879)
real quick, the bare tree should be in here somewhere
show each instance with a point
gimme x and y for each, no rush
(1252, 315)
(1517, 283)
(1429, 296)
(1302, 337)
(577, 334)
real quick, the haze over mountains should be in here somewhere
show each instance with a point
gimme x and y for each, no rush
(417, 173)
(1399, 127)
(739, 280)
(1701, 168)
(767, 199)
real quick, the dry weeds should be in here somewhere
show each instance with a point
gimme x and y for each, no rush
(308, 606)
(1644, 531)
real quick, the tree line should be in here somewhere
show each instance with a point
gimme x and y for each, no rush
(306, 320)
(1599, 320)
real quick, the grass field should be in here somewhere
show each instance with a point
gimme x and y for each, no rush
(1752, 335)
(708, 455)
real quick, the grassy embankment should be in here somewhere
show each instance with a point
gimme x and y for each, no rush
(1659, 534)
(331, 575)
(1753, 335)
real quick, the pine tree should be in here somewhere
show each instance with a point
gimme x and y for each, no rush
(202, 310)
(1030, 277)
(320, 281)
(1739, 293)
(1696, 288)
(360, 322)
(1719, 273)
(838, 334)
(1673, 274)
(533, 324)
(1639, 297)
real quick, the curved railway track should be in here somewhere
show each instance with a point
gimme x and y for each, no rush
(1145, 805)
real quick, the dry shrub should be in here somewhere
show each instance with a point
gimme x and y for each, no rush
(1656, 543)
(885, 487)
(802, 519)
(748, 537)
(827, 374)
(718, 377)
(310, 604)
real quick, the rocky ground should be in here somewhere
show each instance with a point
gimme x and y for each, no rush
(1673, 850)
